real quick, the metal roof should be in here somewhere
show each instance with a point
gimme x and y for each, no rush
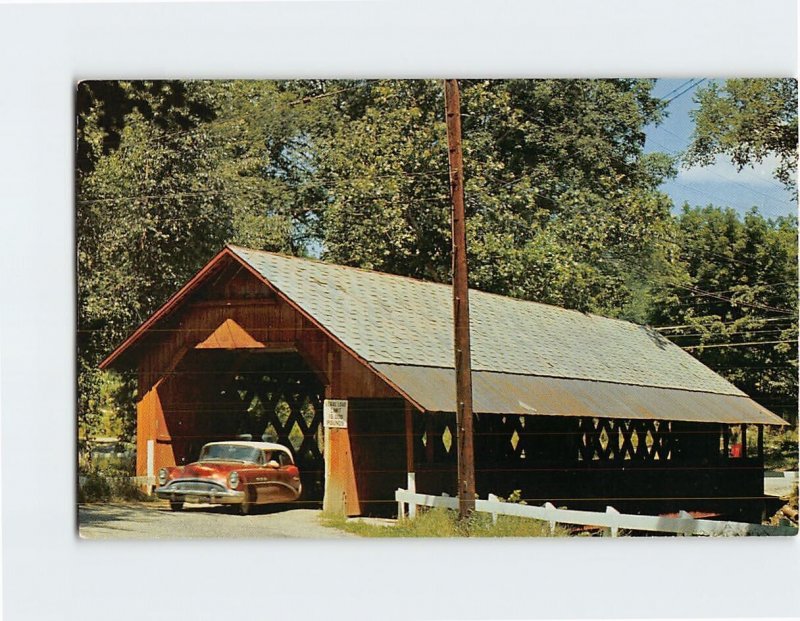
(434, 389)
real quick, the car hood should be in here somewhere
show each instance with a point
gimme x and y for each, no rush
(210, 469)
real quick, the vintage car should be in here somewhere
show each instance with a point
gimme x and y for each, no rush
(236, 473)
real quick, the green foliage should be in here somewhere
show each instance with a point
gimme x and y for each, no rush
(780, 449)
(145, 225)
(439, 522)
(561, 200)
(104, 107)
(263, 140)
(747, 120)
(739, 287)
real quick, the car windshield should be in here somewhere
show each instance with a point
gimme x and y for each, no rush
(229, 452)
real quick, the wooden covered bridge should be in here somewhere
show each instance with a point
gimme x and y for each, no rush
(571, 408)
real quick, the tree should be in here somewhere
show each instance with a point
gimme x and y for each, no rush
(747, 120)
(149, 213)
(104, 105)
(561, 200)
(736, 307)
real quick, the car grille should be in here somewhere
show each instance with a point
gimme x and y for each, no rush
(196, 486)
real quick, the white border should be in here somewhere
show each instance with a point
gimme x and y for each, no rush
(50, 574)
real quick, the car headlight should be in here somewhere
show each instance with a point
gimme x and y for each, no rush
(163, 475)
(233, 479)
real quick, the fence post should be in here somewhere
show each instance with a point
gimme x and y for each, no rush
(493, 498)
(412, 487)
(549, 506)
(614, 528)
(401, 510)
(685, 516)
(151, 469)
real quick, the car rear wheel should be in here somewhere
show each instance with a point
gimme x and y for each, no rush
(176, 505)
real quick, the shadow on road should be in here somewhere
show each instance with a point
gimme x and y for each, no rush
(267, 509)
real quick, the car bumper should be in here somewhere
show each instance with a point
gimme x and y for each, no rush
(215, 497)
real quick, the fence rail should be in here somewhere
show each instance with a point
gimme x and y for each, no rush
(611, 519)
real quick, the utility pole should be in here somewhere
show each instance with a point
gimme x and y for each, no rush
(464, 446)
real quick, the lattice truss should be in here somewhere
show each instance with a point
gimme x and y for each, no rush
(602, 439)
(285, 408)
(550, 439)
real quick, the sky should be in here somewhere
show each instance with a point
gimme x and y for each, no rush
(720, 184)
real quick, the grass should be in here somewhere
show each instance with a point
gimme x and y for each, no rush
(439, 522)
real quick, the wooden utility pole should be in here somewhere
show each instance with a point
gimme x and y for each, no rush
(464, 446)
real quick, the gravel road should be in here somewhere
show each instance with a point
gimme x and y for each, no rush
(155, 520)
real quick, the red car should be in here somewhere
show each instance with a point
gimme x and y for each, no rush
(237, 473)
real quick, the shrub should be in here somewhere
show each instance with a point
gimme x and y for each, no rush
(95, 488)
(110, 481)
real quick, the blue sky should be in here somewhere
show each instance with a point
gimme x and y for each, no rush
(720, 183)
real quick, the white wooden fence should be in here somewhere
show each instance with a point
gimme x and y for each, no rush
(611, 520)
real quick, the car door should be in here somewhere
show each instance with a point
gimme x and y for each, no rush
(269, 483)
(289, 475)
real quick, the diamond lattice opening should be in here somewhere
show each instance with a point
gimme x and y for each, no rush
(295, 436)
(447, 439)
(604, 438)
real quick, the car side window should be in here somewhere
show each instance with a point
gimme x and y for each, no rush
(284, 459)
(264, 458)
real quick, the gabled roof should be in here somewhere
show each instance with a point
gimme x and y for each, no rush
(526, 357)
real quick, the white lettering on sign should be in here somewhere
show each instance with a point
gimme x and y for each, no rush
(335, 413)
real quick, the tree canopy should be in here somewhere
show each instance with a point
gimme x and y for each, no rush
(747, 120)
(735, 307)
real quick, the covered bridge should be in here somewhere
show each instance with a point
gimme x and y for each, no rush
(571, 408)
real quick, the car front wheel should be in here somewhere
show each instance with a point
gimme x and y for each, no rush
(246, 506)
(176, 505)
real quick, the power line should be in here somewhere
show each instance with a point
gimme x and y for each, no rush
(429, 200)
(749, 344)
(691, 325)
(677, 88)
(686, 90)
(655, 236)
(733, 302)
(758, 284)
(680, 154)
(252, 190)
(694, 334)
